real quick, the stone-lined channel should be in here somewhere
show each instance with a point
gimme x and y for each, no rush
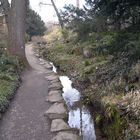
(79, 116)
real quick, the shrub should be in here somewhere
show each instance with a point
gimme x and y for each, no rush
(35, 26)
(126, 42)
(9, 76)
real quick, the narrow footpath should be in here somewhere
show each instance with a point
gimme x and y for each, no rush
(24, 120)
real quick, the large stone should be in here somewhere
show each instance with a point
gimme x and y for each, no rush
(49, 72)
(87, 52)
(48, 66)
(59, 125)
(55, 86)
(42, 63)
(55, 92)
(56, 111)
(52, 77)
(36, 54)
(54, 96)
(54, 81)
(41, 60)
(66, 136)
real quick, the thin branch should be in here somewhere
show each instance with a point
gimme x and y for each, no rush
(56, 10)
(41, 3)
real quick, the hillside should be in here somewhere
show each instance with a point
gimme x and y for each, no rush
(109, 83)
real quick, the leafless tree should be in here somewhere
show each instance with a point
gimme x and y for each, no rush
(77, 3)
(56, 10)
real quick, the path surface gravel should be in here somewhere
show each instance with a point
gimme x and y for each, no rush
(24, 120)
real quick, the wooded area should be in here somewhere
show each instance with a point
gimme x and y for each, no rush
(97, 46)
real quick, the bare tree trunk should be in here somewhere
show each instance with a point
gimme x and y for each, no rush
(57, 12)
(58, 15)
(77, 3)
(15, 18)
(17, 27)
(6, 9)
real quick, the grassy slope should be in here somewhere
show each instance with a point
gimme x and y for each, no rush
(91, 75)
(9, 77)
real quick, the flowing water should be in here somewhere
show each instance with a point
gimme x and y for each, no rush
(79, 115)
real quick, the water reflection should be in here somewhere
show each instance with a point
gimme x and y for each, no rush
(81, 119)
(70, 95)
(79, 116)
(54, 68)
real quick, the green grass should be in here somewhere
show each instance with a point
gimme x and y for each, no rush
(7, 90)
(102, 73)
(10, 69)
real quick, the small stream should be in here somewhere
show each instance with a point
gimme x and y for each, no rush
(79, 115)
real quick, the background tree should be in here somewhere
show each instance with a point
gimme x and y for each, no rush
(83, 21)
(34, 24)
(57, 12)
(102, 16)
(121, 13)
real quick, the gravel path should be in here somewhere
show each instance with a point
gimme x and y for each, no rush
(24, 120)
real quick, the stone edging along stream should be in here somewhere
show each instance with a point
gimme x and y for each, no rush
(58, 112)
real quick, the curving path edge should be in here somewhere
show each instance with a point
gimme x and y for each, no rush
(25, 119)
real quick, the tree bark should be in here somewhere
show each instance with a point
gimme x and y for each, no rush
(15, 15)
(17, 28)
(6, 9)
